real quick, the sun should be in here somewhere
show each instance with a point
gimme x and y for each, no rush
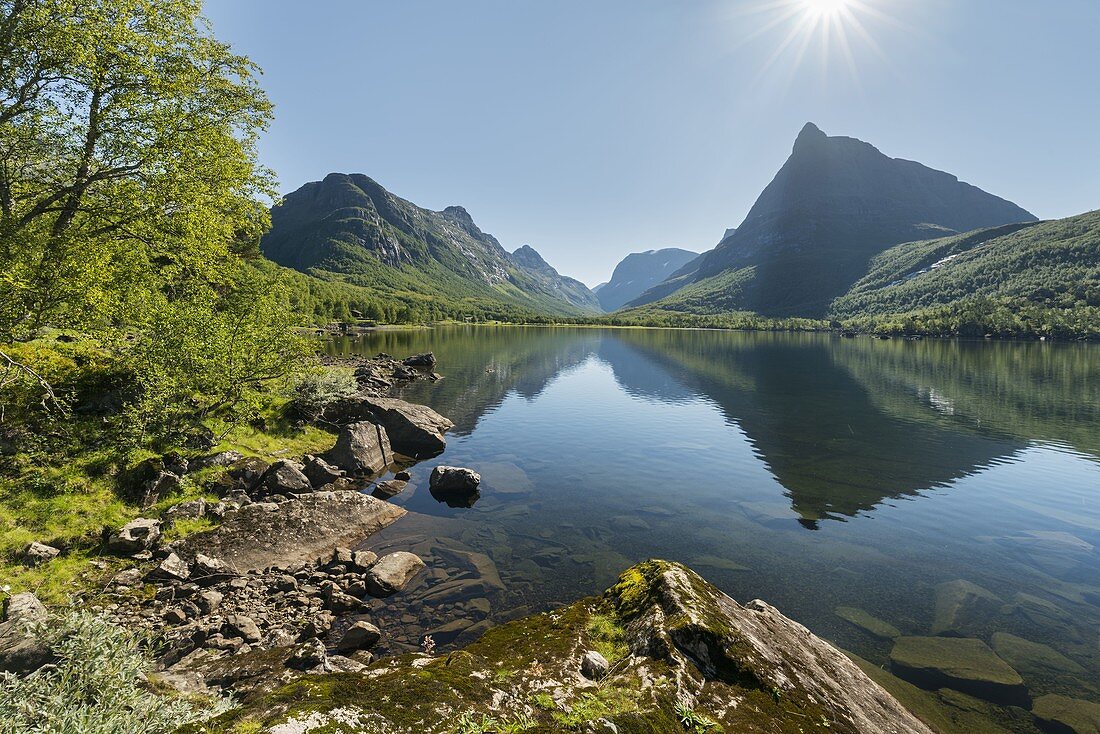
(824, 9)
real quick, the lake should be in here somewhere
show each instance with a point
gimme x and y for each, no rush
(848, 482)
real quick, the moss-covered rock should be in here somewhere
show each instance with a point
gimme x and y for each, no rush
(684, 657)
(965, 664)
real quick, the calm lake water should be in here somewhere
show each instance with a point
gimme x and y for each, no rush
(811, 471)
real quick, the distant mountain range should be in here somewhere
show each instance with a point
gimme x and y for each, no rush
(638, 272)
(811, 235)
(348, 228)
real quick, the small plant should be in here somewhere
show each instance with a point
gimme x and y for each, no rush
(544, 701)
(317, 391)
(97, 685)
(608, 638)
(470, 723)
(696, 722)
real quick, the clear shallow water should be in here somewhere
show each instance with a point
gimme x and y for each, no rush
(811, 471)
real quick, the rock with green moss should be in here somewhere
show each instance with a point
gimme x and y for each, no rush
(965, 664)
(867, 622)
(962, 607)
(678, 650)
(1065, 715)
(1033, 657)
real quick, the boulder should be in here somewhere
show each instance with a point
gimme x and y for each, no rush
(594, 666)
(242, 626)
(360, 636)
(172, 568)
(1065, 715)
(135, 536)
(363, 560)
(309, 655)
(246, 472)
(20, 651)
(222, 458)
(128, 577)
(37, 553)
(320, 472)
(209, 601)
(190, 510)
(335, 600)
(24, 608)
(203, 566)
(446, 479)
(361, 448)
(151, 481)
(963, 607)
(392, 573)
(389, 488)
(414, 430)
(964, 664)
(262, 535)
(427, 359)
(282, 477)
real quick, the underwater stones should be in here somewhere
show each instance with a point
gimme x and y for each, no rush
(261, 535)
(361, 448)
(360, 636)
(594, 665)
(37, 553)
(962, 606)
(135, 536)
(628, 522)
(964, 664)
(868, 623)
(1065, 715)
(1027, 656)
(392, 573)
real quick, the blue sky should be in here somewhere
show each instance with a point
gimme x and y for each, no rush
(590, 129)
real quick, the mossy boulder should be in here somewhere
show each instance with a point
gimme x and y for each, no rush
(1065, 715)
(679, 648)
(965, 664)
(963, 608)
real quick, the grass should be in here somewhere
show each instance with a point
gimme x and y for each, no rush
(607, 637)
(695, 722)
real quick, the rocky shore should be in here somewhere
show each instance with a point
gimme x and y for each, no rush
(279, 605)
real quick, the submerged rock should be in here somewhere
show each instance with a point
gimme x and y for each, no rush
(1060, 714)
(292, 533)
(964, 664)
(1033, 657)
(454, 485)
(868, 623)
(963, 607)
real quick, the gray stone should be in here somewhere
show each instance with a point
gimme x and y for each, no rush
(320, 472)
(128, 577)
(415, 431)
(20, 651)
(190, 510)
(203, 566)
(209, 601)
(361, 448)
(392, 573)
(594, 666)
(262, 535)
(309, 655)
(454, 479)
(24, 608)
(171, 568)
(243, 626)
(363, 560)
(283, 477)
(135, 536)
(222, 458)
(38, 553)
(336, 600)
(360, 636)
(389, 488)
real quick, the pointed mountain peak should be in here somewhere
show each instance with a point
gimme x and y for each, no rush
(809, 136)
(528, 257)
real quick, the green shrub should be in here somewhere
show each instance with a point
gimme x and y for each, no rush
(97, 686)
(315, 392)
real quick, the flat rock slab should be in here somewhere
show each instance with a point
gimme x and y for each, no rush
(964, 664)
(867, 622)
(1065, 714)
(288, 534)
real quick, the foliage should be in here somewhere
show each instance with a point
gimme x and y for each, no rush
(695, 722)
(321, 388)
(97, 686)
(470, 723)
(608, 638)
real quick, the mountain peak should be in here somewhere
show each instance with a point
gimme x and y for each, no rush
(459, 213)
(810, 135)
